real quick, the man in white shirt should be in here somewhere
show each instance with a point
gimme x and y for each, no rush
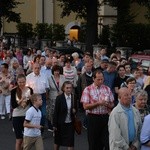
(39, 83)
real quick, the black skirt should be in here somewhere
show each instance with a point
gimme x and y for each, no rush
(64, 136)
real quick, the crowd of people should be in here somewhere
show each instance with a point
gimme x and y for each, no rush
(44, 88)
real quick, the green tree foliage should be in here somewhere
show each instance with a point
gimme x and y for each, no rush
(58, 32)
(77, 6)
(86, 9)
(138, 40)
(82, 32)
(124, 17)
(104, 36)
(125, 22)
(42, 30)
(25, 30)
(54, 32)
(147, 15)
(6, 11)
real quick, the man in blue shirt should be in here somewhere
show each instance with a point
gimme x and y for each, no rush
(110, 75)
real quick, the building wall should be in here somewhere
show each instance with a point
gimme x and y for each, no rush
(49, 11)
(107, 14)
(27, 15)
(32, 12)
(140, 11)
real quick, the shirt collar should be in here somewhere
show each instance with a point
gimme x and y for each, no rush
(35, 108)
(89, 74)
(66, 96)
(126, 108)
(36, 75)
(97, 87)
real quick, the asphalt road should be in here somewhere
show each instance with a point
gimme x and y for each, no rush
(7, 138)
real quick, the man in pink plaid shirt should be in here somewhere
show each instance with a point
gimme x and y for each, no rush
(97, 100)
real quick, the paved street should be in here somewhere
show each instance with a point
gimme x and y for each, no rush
(7, 138)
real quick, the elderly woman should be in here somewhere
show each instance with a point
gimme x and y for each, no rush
(141, 103)
(77, 62)
(15, 69)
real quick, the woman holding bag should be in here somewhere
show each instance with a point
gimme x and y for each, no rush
(55, 83)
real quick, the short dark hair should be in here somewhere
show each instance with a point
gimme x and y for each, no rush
(97, 71)
(112, 63)
(61, 54)
(21, 76)
(87, 53)
(104, 61)
(114, 57)
(57, 68)
(37, 56)
(123, 59)
(118, 52)
(130, 79)
(68, 60)
(135, 69)
(120, 66)
(43, 57)
(64, 84)
(5, 65)
(127, 64)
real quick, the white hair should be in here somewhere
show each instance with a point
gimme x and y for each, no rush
(75, 54)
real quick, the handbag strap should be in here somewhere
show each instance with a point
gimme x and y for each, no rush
(55, 83)
(73, 103)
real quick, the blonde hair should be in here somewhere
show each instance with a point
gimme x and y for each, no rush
(141, 93)
(34, 97)
(147, 82)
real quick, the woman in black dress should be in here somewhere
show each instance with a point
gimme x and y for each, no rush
(64, 117)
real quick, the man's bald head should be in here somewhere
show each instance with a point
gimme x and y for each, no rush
(48, 62)
(124, 96)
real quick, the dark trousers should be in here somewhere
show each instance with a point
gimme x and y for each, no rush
(98, 137)
(43, 109)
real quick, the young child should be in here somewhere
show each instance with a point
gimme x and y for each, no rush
(32, 127)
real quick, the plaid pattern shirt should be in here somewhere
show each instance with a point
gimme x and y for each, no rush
(93, 94)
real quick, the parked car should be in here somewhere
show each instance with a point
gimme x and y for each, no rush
(142, 59)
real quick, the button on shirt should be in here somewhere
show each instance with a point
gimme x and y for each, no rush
(39, 83)
(68, 101)
(93, 94)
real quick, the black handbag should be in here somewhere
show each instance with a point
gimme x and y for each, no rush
(77, 122)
